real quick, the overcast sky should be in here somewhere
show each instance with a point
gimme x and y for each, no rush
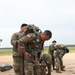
(55, 15)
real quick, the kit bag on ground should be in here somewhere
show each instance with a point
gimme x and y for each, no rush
(5, 67)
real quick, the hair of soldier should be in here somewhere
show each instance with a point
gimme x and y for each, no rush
(54, 41)
(48, 33)
(23, 25)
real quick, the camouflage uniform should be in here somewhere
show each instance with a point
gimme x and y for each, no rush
(61, 50)
(51, 52)
(46, 59)
(17, 58)
(33, 45)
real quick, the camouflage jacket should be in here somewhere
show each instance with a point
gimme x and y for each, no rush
(30, 43)
(51, 49)
(61, 50)
(45, 58)
(14, 37)
(13, 41)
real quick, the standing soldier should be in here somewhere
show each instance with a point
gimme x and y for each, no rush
(51, 52)
(31, 45)
(17, 58)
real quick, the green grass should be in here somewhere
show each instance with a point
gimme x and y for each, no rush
(9, 51)
(6, 52)
(71, 49)
(46, 50)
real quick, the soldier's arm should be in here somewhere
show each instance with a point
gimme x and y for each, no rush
(21, 44)
(14, 39)
(49, 50)
(24, 40)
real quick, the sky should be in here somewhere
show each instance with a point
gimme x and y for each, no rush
(58, 16)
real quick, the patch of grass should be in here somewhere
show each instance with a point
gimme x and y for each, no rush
(9, 51)
(45, 49)
(71, 49)
(6, 52)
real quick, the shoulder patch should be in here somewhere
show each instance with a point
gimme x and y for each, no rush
(28, 35)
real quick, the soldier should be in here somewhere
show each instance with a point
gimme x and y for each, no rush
(17, 58)
(60, 52)
(31, 45)
(51, 52)
(46, 59)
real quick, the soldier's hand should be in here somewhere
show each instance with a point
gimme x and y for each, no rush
(20, 49)
(26, 56)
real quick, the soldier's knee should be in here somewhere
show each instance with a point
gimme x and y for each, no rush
(17, 68)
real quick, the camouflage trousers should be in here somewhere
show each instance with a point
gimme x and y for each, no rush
(53, 60)
(29, 68)
(59, 63)
(39, 69)
(46, 59)
(17, 65)
(34, 69)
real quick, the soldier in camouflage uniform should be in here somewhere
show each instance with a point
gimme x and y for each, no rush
(31, 45)
(17, 58)
(51, 52)
(46, 59)
(60, 52)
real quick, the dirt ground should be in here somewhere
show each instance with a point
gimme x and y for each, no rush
(69, 62)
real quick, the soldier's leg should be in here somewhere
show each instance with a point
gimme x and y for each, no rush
(29, 69)
(37, 69)
(53, 63)
(17, 65)
(49, 68)
(61, 65)
(58, 65)
(43, 69)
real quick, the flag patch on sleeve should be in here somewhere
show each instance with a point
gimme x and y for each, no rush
(28, 35)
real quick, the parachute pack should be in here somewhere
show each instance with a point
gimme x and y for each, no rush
(31, 29)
